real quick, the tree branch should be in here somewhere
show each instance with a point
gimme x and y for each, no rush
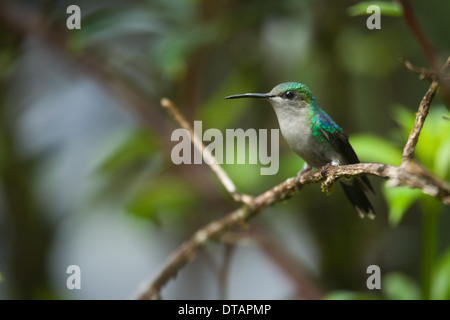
(422, 112)
(412, 23)
(206, 153)
(423, 73)
(411, 175)
(430, 55)
(421, 115)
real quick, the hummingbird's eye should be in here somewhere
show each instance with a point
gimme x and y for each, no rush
(289, 95)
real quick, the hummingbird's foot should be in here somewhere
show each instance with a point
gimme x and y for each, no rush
(305, 169)
(323, 170)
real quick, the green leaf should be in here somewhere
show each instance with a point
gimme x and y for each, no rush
(397, 286)
(350, 295)
(440, 286)
(404, 117)
(399, 199)
(137, 147)
(368, 147)
(433, 147)
(392, 9)
(162, 198)
(442, 159)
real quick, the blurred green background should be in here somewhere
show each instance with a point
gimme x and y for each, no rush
(85, 167)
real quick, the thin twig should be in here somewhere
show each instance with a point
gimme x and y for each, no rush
(206, 153)
(421, 115)
(412, 23)
(422, 112)
(424, 73)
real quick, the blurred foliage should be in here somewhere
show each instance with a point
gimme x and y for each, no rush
(134, 168)
(167, 197)
(371, 55)
(433, 151)
(397, 286)
(138, 148)
(441, 280)
(196, 52)
(347, 295)
(386, 8)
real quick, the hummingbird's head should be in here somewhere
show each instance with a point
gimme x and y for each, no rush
(288, 95)
(291, 94)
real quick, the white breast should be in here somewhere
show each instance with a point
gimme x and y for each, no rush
(295, 127)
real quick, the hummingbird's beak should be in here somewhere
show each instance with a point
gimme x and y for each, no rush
(251, 95)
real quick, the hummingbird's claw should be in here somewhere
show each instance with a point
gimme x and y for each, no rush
(323, 170)
(297, 181)
(305, 169)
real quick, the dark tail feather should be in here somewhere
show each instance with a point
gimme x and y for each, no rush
(355, 193)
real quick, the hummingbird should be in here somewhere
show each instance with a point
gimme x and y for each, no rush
(315, 137)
